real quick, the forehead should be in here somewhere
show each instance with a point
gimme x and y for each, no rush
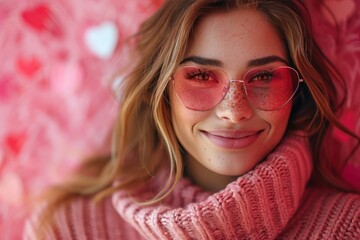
(244, 32)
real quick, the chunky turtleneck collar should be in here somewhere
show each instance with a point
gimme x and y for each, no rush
(258, 205)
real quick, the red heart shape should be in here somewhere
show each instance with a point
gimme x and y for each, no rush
(42, 19)
(28, 66)
(15, 141)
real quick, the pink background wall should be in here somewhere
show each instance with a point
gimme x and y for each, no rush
(56, 97)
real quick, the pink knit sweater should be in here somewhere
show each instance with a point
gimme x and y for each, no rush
(270, 202)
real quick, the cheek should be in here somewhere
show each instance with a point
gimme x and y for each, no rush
(185, 121)
(178, 111)
(182, 118)
(278, 120)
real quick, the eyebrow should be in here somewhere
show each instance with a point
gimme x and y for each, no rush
(216, 63)
(202, 61)
(265, 60)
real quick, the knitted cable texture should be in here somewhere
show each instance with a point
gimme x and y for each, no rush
(325, 214)
(266, 203)
(256, 206)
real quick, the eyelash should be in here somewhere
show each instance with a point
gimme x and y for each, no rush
(205, 74)
(268, 75)
(198, 73)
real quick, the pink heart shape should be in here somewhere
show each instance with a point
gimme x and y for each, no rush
(28, 66)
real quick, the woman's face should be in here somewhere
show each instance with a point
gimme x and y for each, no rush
(231, 138)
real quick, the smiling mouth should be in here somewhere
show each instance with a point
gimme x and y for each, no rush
(232, 139)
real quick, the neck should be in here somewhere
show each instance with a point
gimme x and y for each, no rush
(205, 178)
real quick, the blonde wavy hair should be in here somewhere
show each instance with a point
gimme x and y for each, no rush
(144, 139)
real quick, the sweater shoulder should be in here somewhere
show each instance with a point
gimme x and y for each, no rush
(82, 218)
(325, 214)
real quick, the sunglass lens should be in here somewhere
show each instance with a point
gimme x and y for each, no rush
(271, 90)
(199, 89)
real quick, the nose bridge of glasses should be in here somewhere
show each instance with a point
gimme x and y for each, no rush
(240, 86)
(235, 105)
(236, 80)
(236, 89)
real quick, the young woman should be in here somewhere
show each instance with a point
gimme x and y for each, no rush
(219, 132)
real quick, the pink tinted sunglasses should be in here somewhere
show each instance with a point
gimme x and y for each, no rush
(202, 89)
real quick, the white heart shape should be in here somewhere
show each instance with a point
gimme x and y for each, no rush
(101, 40)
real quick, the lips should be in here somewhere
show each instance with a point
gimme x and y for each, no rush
(232, 139)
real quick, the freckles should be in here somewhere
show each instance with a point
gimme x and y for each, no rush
(262, 98)
(233, 100)
(275, 116)
(280, 99)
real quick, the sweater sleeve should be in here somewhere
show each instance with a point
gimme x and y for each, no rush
(325, 214)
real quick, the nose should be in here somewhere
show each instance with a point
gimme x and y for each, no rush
(235, 106)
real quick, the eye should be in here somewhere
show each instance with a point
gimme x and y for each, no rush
(198, 74)
(263, 76)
